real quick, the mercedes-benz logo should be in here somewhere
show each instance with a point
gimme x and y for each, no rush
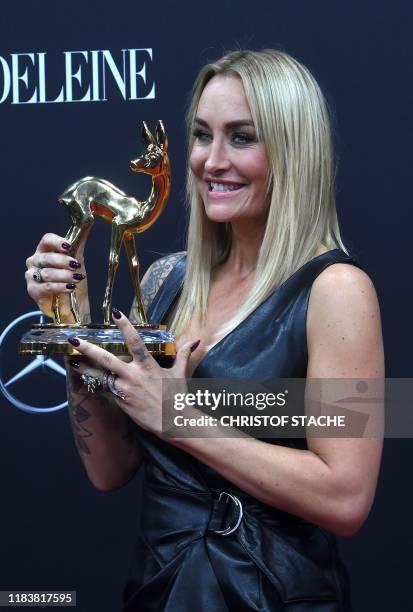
(38, 362)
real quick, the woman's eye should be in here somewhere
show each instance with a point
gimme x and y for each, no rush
(201, 135)
(243, 138)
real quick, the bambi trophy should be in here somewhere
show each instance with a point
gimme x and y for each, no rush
(92, 197)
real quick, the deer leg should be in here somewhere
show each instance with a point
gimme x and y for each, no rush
(129, 242)
(74, 236)
(56, 298)
(115, 244)
(56, 309)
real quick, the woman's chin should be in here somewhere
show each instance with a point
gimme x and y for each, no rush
(221, 214)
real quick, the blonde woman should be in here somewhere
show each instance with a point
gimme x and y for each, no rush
(266, 289)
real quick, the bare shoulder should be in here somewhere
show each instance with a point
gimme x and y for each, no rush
(154, 277)
(341, 283)
(343, 324)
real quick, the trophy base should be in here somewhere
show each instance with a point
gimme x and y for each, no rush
(52, 339)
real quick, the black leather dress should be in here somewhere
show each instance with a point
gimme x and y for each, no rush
(273, 561)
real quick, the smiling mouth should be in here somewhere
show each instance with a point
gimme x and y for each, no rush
(216, 187)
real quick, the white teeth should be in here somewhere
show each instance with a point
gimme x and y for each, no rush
(222, 187)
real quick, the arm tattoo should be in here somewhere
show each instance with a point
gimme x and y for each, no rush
(78, 414)
(78, 398)
(158, 272)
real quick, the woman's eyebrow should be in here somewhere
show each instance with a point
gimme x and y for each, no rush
(230, 125)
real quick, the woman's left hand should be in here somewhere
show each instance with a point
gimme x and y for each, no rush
(141, 380)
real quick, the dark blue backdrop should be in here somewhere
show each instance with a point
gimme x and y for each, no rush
(56, 531)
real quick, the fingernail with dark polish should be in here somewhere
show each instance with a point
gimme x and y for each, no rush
(75, 364)
(78, 276)
(194, 345)
(75, 265)
(70, 286)
(73, 341)
(116, 313)
(65, 246)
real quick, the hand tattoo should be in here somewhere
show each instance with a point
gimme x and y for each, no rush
(141, 352)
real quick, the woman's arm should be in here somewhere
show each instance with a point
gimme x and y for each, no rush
(333, 482)
(104, 434)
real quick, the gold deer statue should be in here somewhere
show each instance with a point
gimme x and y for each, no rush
(92, 197)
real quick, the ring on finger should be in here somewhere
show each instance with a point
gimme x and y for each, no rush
(37, 275)
(108, 384)
(106, 375)
(92, 382)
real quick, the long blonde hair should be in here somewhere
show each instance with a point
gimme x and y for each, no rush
(292, 120)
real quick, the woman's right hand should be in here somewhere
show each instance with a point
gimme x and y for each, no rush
(61, 275)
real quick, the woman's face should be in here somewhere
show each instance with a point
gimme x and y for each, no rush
(229, 163)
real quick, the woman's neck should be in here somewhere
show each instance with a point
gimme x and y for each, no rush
(245, 247)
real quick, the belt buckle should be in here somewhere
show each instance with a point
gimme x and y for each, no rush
(230, 529)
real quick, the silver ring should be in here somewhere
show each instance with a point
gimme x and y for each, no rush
(112, 387)
(106, 375)
(37, 276)
(92, 382)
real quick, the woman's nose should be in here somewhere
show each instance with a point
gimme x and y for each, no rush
(217, 158)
